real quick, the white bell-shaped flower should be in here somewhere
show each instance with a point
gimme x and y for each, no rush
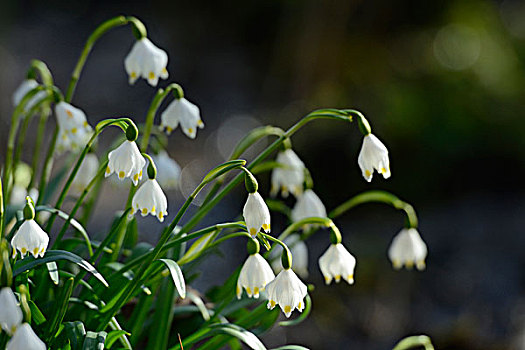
(26, 86)
(126, 161)
(150, 199)
(168, 170)
(299, 251)
(87, 171)
(255, 274)
(184, 112)
(10, 314)
(25, 339)
(288, 291)
(30, 238)
(337, 262)
(373, 155)
(256, 214)
(408, 249)
(74, 129)
(289, 177)
(308, 205)
(146, 61)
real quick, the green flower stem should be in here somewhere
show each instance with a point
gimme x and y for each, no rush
(181, 239)
(378, 197)
(282, 244)
(133, 285)
(97, 33)
(1, 217)
(415, 341)
(121, 122)
(90, 205)
(345, 115)
(48, 166)
(99, 175)
(44, 116)
(326, 222)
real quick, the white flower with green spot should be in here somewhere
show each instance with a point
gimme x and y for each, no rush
(256, 214)
(30, 238)
(10, 314)
(373, 155)
(126, 161)
(287, 291)
(255, 274)
(289, 177)
(146, 61)
(183, 112)
(25, 339)
(408, 249)
(337, 263)
(150, 199)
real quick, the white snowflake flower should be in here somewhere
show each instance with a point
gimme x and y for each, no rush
(373, 155)
(168, 171)
(184, 112)
(299, 251)
(87, 171)
(150, 199)
(255, 274)
(256, 214)
(10, 314)
(30, 238)
(25, 339)
(26, 86)
(74, 129)
(146, 61)
(126, 161)
(290, 176)
(287, 291)
(337, 262)
(408, 249)
(308, 205)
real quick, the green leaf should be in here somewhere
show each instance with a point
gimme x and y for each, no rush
(200, 305)
(75, 332)
(60, 308)
(197, 247)
(253, 136)
(240, 333)
(52, 268)
(54, 255)
(291, 347)
(176, 275)
(77, 225)
(113, 336)
(94, 341)
(107, 122)
(36, 315)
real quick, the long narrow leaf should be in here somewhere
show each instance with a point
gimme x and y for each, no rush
(176, 275)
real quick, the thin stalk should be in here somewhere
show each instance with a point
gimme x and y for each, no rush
(378, 197)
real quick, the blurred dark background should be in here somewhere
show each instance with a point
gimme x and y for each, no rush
(443, 84)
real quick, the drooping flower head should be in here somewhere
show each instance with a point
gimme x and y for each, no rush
(10, 314)
(168, 170)
(25, 339)
(289, 177)
(74, 129)
(30, 238)
(87, 171)
(299, 251)
(287, 291)
(373, 155)
(183, 112)
(337, 262)
(408, 249)
(255, 274)
(308, 205)
(26, 86)
(126, 161)
(150, 199)
(256, 214)
(146, 61)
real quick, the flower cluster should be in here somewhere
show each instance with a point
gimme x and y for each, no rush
(11, 317)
